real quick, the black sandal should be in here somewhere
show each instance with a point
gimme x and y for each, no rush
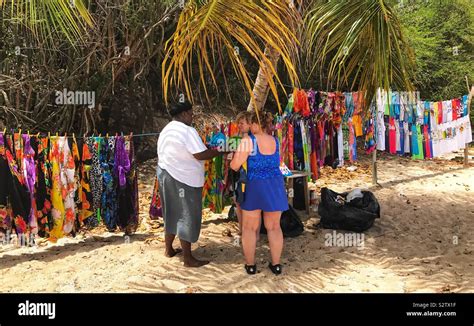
(276, 269)
(251, 269)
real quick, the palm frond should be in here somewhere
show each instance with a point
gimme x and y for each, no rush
(366, 42)
(207, 25)
(47, 18)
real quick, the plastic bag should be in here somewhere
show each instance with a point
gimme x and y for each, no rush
(356, 215)
(290, 223)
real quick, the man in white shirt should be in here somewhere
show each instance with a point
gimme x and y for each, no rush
(181, 155)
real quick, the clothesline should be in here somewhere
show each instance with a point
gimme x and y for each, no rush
(100, 135)
(349, 91)
(52, 187)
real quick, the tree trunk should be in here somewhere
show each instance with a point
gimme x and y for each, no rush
(261, 88)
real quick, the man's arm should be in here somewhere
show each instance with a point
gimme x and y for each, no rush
(207, 154)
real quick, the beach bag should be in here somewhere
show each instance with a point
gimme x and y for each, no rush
(299, 194)
(356, 215)
(290, 223)
(240, 190)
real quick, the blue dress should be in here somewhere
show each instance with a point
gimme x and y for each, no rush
(265, 189)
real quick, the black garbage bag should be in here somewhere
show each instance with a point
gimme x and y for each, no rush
(290, 223)
(232, 215)
(357, 215)
(298, 194)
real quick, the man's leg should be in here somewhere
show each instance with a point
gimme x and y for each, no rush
(169, 251)
(189, 260)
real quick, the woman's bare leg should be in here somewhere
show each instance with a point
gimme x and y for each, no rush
(275, 235)
(250, 223)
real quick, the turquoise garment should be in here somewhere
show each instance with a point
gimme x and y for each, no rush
(464, 105)
(414, 141)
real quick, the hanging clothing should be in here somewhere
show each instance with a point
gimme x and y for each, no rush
(155, 211)
(369, 130)
(298, 147)
(109, 209)
(380, 129)
(457, 108)
(445, 112)
(414, 141)
(426, 113)
(401, 137)
(306, 149)
(345, 137)
(125, 170)
(352, 142)
(314, 148)
(29, 173)
(291, 164)
(403, 106)
(397, 136)
(18, 150)
(465, 109)
(96, 182)
(76, 156)
(85, 194)
(322, 145)
(419, 142)
(406, 133)
(426, 140)
(392, 136)
(301, 104)
(43, 188)
(349, 106)
(5, 176)
(57, 210)
(18, 203)
(340, 145)
(68, 184)
(357, 122)
(440, 113)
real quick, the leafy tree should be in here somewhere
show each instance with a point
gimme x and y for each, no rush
(438, 30)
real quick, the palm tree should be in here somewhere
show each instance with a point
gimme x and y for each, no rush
(365, 42)
(210, 29)
(47, 18)
(364, 37)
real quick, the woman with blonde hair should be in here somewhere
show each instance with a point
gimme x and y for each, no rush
(265, 192)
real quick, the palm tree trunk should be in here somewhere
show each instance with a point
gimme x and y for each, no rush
(261, 88)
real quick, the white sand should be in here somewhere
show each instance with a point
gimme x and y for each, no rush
(411, 248)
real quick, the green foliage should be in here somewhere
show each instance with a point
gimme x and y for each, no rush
(433, 29)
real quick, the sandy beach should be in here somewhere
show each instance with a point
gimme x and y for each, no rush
(423, 242)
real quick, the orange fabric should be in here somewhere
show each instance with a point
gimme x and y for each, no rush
(301, 103)
(314, 165)
(357, 121)
(291, 165)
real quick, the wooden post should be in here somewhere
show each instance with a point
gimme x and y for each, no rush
(374, 167)
(466, 148)
(466, 157)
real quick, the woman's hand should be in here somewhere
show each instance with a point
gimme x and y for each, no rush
(242, 153)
